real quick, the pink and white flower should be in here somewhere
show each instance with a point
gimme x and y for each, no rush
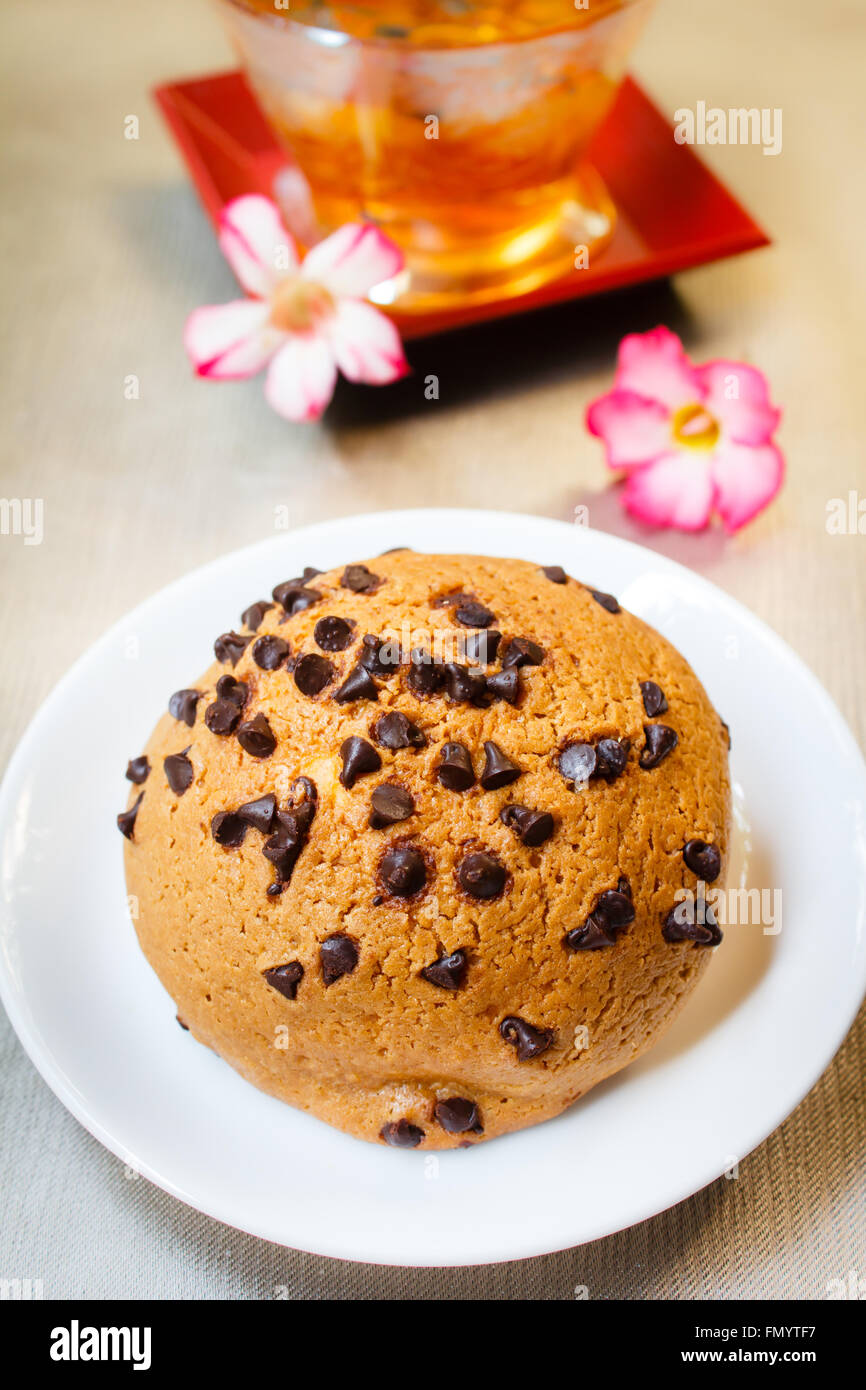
(691, 440)
(306, 318)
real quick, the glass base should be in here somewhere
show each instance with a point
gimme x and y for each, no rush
(487, 254)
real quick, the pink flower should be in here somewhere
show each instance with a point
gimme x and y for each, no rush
(306, 318)
(692, 440)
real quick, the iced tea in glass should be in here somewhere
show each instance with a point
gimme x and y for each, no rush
(458, 127)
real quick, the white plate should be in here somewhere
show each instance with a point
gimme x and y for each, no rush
(766, 1021)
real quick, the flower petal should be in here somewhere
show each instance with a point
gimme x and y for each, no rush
(352, 260)
(635, 430)
(739, 398)
(746, 480)
(229, 341)
(256, 244)
(296, 205)
(301, 377)
(654, 365)
(366, 344)
(674, 491)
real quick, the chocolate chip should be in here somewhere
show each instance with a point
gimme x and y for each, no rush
(454, 596)
(334, 634)
(464, 683)
(690, 921)
(660, 740)
(390, 804)
(305, 789)
(703, 859)
(613, 911)
(338, 955)
(179, 1021)
(182, 705)
(394, 730)
(222, 717)
(522, 651)
(256, 737)
(293, 595)
(578, 762)
(481, 647)
(448, 972)
(619, 913)
(288, 833)
(270, 652)
(295, 598)
(455, 771)
(359, 579)
(289, 825)
(259, 813)
(590, 937)
(532, 828)
(529, 1041)
(293, 822)
(178, 772)
(499, 769)
(296, 819)
(425, 675)
(230, 647)
(402, 871)
(401, 1135)
(505, 685)
(282, 850)
(228, 688)
(313, 673)
(555, 573)
(482, 875)
(611, 756)
(359, 757)
(126, 819)
(137, 770)
(281, 591)
(654, 701)
(727, 732)
(378, 657)
(252, 616)
(358, 685)
(456, 1115)
(228, 829)
(474, 614)
(607, 601)
(285, 978)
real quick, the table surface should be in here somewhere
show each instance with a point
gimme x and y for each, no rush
(108, 250)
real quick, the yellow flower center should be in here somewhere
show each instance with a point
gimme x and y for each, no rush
(299, 305)
(695, 427)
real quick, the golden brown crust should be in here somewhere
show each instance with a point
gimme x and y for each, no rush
(383, 1044)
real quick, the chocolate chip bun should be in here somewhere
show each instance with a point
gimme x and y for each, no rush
(410, 855)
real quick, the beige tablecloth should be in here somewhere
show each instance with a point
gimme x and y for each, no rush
(106, 252)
